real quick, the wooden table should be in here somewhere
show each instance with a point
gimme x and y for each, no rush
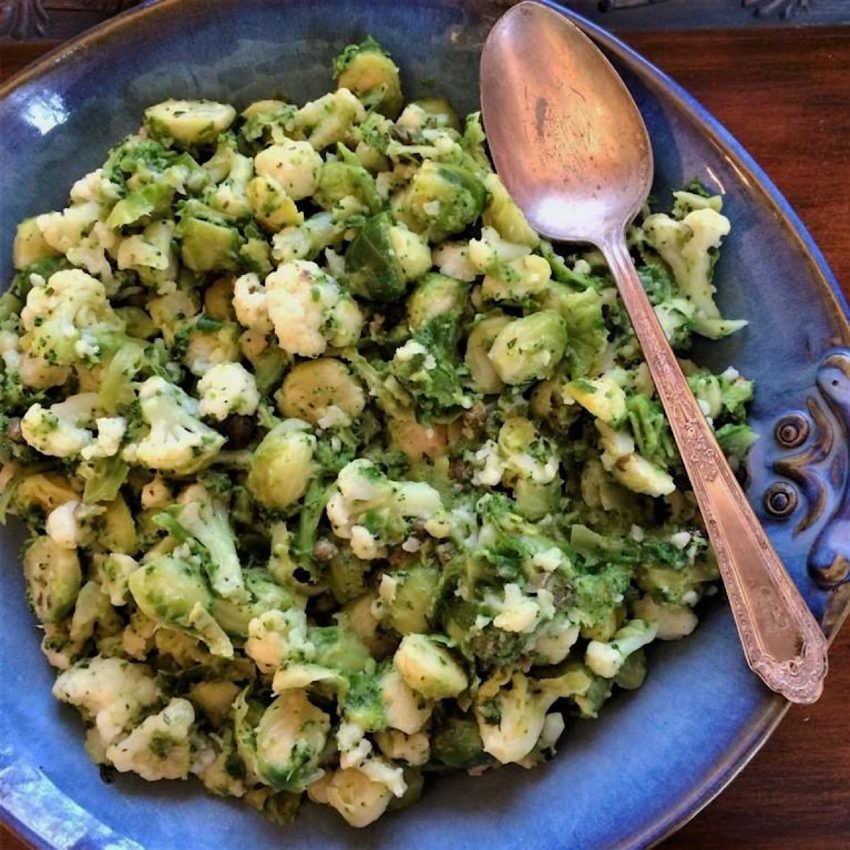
(785, 93)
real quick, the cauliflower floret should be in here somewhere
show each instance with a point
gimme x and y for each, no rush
(60, 431)
(353, 747)
(94, 187)
(685, 245)
(294, 165)
(275, 635)
(688, 247)
(452, 259)
(64, 230)
(227, 388)
(91, 254)
(110, 432)
(113, 573)
(159, 748)
(171, 312)
(330, 118)
(362, 489)
(491, 252)
(309, 310)
(516, 611)
(177, 441)
(250, 303)
(109, 691)
(606, 659)
(520, 454)
(10, 350)
(69, 525)
(521, 705)
(68, 319)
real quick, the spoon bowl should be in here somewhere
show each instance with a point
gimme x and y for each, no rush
(571, 148)
(576, 178)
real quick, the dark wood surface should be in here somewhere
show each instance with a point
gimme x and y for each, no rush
(785, 93)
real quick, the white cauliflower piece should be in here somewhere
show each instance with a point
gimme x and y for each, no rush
(110, 432)
(69, 524)
(60, 430)
(403, 708)
(362, 488)
(250, 303)
(452, 259)
(110, 692)
(688, 247)
(91, 254)
(159, 748)
(94, 187)
(606, 659)
(685, 245)
(522, 716)
(177, 440)
(69, 318)
(353, 747)
(516, 611)
(294, 165)
(330, 118)
(227, 388)
(491, 251)
(64, 230)
(275, 635)
(309, 310)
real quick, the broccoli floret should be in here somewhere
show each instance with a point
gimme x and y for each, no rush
(202, 518)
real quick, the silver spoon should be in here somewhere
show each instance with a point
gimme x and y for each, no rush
(571, 148)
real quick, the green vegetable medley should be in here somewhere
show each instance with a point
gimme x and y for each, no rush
(335, 473)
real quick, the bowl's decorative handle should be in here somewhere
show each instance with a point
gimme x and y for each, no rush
(819, 470)
(829, 558)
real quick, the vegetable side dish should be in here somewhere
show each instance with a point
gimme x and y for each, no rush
(335, 473)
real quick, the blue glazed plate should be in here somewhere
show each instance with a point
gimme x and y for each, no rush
(656, 756)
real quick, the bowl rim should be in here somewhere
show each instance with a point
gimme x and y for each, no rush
(753, 736)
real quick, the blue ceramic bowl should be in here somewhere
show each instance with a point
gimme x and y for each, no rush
(656, 756)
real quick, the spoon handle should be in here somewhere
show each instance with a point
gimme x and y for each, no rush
(783, 643)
